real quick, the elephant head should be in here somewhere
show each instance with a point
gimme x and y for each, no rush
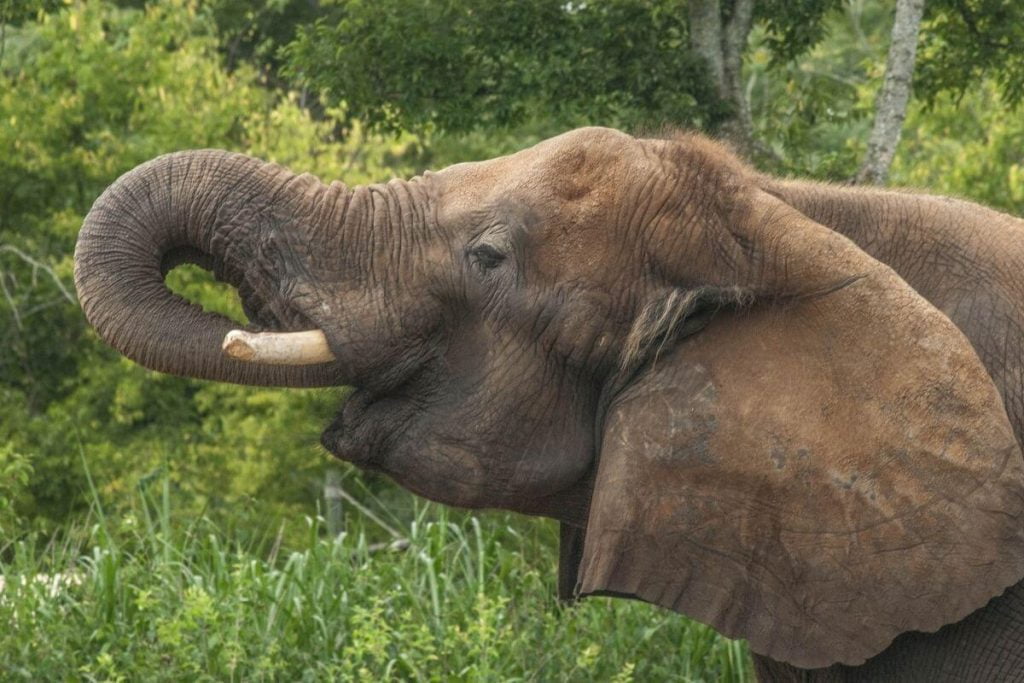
(734, 411)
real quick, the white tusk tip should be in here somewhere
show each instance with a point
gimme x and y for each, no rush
(236, 345)
(278, 348)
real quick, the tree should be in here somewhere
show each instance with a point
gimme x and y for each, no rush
(963, 43)
(891, 104)
(465, 64)
(461, 64)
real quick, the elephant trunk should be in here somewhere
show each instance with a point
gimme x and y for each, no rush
(213, 208)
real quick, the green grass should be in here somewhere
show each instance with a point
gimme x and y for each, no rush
(470, 599)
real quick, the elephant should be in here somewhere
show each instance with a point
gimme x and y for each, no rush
(786, 409)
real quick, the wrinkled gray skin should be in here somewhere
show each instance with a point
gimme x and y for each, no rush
(482, 312)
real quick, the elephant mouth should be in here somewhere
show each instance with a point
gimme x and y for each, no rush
(351, 436)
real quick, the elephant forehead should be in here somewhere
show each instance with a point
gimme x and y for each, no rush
(584, 164)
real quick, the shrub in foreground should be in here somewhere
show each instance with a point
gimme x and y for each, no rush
(468, 598)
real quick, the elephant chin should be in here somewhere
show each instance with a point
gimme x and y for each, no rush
(352, 435)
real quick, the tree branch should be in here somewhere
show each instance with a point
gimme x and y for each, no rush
(36, 267)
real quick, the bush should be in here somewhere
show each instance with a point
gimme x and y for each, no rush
(468, 599)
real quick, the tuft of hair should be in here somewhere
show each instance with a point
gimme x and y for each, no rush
(675, 315)
(716, 150)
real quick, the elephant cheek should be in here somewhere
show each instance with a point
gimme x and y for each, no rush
(554, 465)
(583, 337)
(443, 472)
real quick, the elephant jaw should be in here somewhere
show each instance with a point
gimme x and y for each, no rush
(278, 348)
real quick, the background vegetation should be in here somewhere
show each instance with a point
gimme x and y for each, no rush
(182, 516)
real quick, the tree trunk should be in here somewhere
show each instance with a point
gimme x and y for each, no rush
(706, 38)
(722, 44)
(891, 108)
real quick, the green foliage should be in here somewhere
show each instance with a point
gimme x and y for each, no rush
(469, 599)
(965, 41)
(794, 27)
(15, 471)
(87, 93)
(251, 32)
(460, 65)
(815, 112)
(16, 12)
(965, 147)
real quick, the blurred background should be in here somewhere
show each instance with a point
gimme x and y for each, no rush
(161, 528)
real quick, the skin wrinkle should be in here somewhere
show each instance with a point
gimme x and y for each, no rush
(408, 217)
(132, 226)
(382, 227)
(195, 205)
(232, 225)
(637, 208)
(744, 564)
(938, 497)
(401, 253)
(731, 267)
(369, 237)
(378, 222)
(283, 186)
(215, 236)
(520, 463)
(906, 257)
(592, 350)
(200, 205)
(649, 207)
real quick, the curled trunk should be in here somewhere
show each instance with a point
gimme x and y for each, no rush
(213, 208)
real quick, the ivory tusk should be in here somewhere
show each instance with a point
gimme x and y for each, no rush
(278, 348)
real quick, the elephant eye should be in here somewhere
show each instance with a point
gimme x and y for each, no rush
(486, 257)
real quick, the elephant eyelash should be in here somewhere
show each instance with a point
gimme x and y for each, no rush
(486, 257)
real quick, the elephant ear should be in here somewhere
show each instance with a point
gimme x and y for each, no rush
(816, 475)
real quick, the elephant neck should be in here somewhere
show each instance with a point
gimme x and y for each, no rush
(908, 231)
